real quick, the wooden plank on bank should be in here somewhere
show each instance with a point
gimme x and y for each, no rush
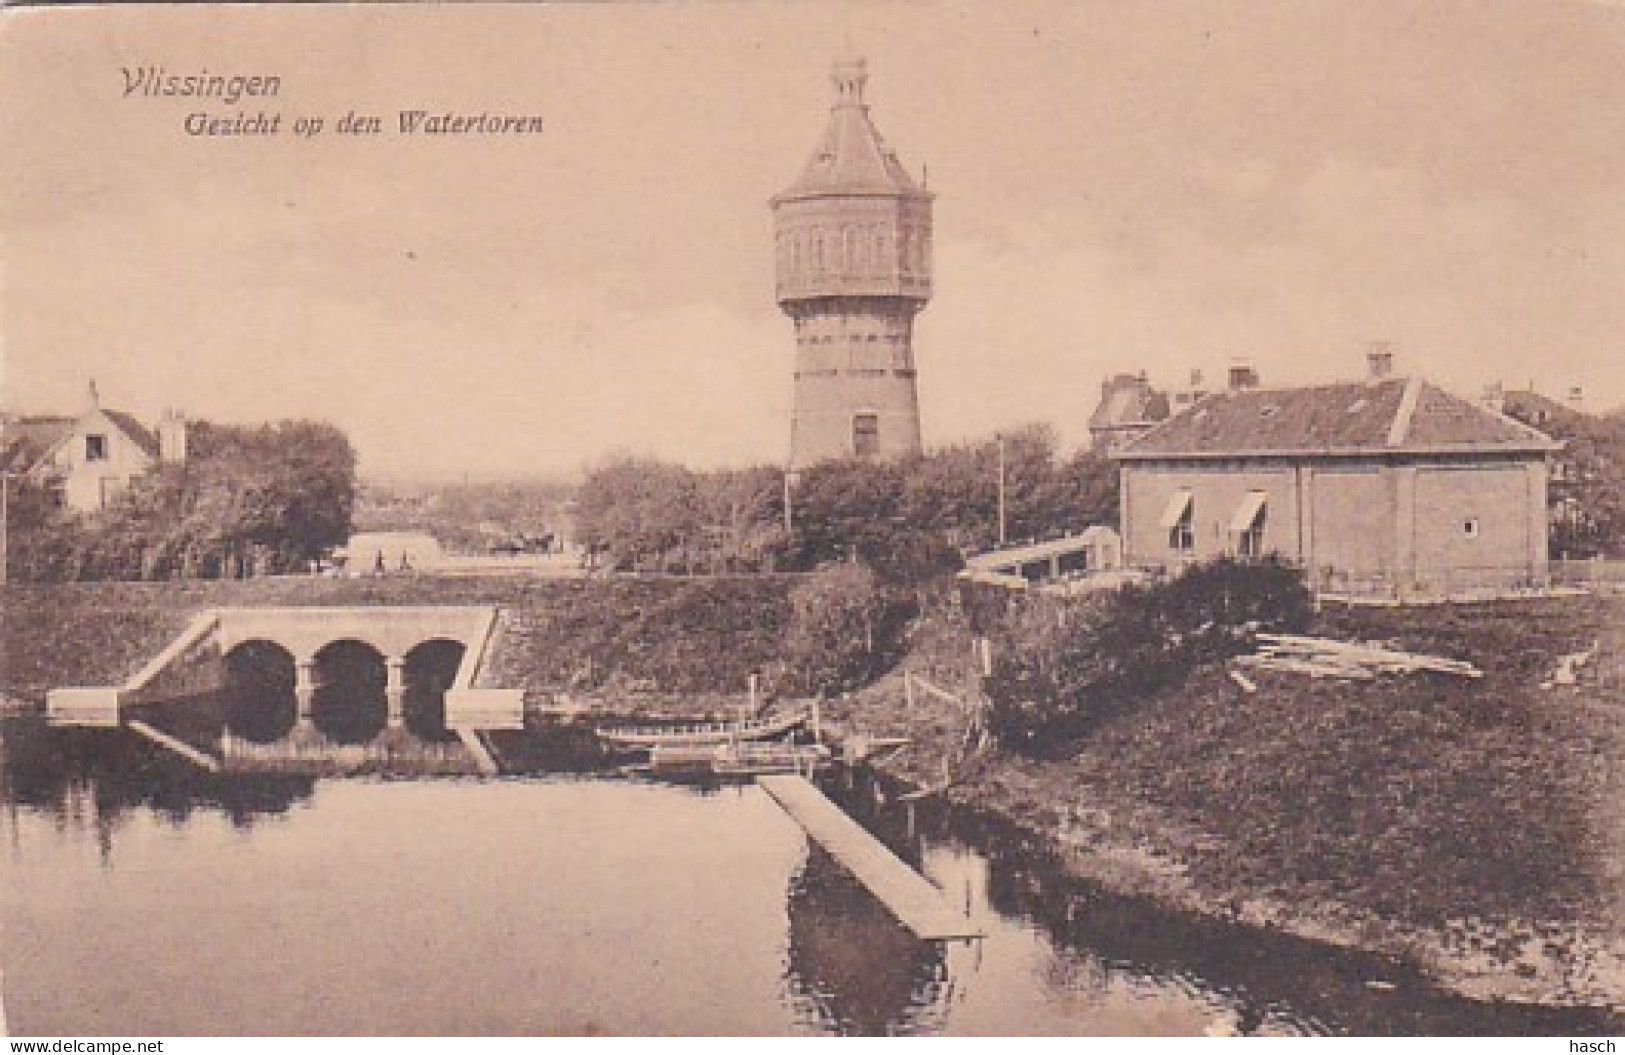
(909, 896)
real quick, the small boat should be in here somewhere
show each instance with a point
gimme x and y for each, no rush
(736, 759)
(700, 735)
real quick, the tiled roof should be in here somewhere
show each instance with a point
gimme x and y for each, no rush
(24, 441)
(1129, 406)
(1388, 415)
(852, 158)
(1006, 558)
(142, 436)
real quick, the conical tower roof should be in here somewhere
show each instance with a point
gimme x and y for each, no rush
(852, 158)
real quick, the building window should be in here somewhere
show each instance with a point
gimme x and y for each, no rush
(865, 435)
(1179, 520)
(1248, 524)
(1469, 527)
(95, 448)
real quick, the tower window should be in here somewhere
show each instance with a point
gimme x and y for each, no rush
(95, 448)
(865, 435)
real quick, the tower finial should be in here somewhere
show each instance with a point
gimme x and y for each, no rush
(91, 396)
(849, 74)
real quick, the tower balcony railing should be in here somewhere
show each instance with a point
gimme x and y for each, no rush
(806, 286)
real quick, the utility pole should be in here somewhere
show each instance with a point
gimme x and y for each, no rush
(789, 517)
(1002, 514)
(5, 507)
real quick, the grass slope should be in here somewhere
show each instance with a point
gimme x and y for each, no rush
(1467, 823)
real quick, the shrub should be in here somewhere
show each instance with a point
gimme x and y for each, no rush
(1062, 664)
(845, 629)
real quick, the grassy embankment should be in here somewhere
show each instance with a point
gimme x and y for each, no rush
(638, 645)
(1468, 826)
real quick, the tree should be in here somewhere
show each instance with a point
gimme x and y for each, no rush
(1587, 489)
(1062, 664)
(845, 628)
(640, 513)
(247, 499)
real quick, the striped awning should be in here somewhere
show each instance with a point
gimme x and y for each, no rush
(1179, 503)
(1247, 513)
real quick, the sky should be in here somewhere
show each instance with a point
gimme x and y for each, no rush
(1120, 186)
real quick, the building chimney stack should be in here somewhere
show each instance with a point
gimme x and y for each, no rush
(1243, 377)
(1379, 360)
(172, 437)
(1577, 397)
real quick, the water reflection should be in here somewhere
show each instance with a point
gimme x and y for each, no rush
(860, 970)
(1234, 979)
(589, 904)
(97, 780)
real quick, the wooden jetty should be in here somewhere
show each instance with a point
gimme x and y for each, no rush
(920, 907)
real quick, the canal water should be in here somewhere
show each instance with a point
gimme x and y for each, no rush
(143, 897)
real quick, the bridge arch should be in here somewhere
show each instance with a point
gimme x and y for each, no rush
(429, 668)
(259, 693)
(349, 698)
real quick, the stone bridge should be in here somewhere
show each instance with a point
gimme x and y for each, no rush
(193, 660)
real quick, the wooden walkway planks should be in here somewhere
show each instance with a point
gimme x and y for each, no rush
(910, 896)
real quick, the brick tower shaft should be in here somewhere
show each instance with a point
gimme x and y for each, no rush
(853, 239)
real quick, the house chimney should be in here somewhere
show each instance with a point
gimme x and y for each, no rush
(1242, 377)
(1493, 397)
(172, 437)
(1379, 360)
(1577, 397)
(93, 401)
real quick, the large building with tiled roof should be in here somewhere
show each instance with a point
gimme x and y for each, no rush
(1387, 486)
(853, 238)
(88, 458)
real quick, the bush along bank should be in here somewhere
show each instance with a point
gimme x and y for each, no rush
(1467, 826)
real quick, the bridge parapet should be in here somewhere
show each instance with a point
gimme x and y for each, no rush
(393, 631)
